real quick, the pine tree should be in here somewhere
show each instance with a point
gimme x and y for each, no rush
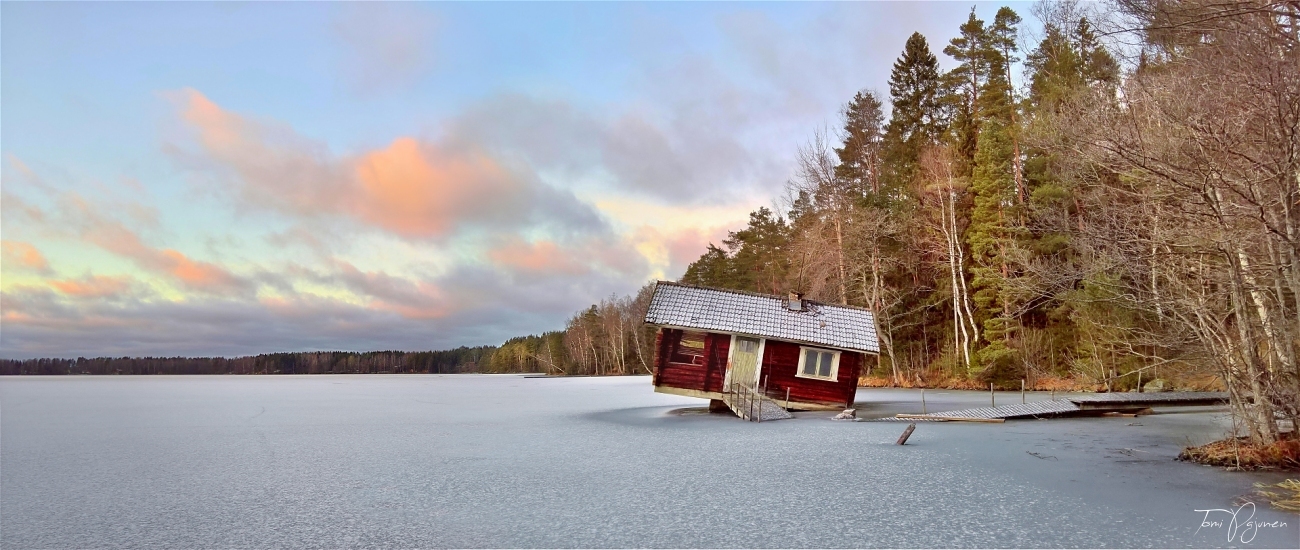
(1055, 70)
(758, 258)
(917, 119)
(964, 83)
(1000, 43)
(713, 268)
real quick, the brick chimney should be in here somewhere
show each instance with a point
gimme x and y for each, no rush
(796, 302)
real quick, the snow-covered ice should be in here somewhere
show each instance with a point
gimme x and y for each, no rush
(507, 461)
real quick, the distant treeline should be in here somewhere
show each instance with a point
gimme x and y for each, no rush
(462, 359)
(606, 339)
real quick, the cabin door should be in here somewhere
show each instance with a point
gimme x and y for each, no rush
(743, 367)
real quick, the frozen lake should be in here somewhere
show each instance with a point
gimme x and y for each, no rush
(505, 461)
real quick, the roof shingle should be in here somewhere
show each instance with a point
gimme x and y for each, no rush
(833, 326)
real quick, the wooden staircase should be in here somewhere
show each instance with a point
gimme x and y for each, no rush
(750, 403)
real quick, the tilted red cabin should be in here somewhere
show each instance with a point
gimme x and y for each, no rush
(810, 351)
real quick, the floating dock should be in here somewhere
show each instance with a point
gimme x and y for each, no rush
(1082, 405)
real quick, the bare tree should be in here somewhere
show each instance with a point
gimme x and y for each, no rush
(942, 188)
(1199, 165)
(820, 231)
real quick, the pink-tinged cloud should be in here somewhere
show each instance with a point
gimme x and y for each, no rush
(93, 286)
(196, 274)
(114, 237)
(686, 245)
(410, 188)
(415, 190)
(24, 256)
(683, 246)
(541, 257)
(275, 168)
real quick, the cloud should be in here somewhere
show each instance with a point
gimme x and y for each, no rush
(536, 257)
(385, 45)
(24, 256)
(329, 304)
(75, 217)
(471, 306)
(194, 274)
(17, 211)
(502, 217)
(44, 324)
(707, 126)
(673, 249)
(413, 299)
(583, 257)
(636, 151)
(93, 227)
(411, 188)
(415, 190)
(28, 176)
(92, 286)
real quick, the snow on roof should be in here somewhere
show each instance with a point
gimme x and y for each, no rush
(713, 309)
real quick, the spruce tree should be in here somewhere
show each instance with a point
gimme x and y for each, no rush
(998, 196)
(998, 98)
(917, 119)
(860, 155)
(1099, 67)
(990, 238)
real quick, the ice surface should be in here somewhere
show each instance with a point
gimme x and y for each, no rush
(505, 461)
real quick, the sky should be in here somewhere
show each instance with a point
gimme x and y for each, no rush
(239, 178)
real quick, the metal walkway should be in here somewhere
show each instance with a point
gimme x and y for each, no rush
(1078, 405)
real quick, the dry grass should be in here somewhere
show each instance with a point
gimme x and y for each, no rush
(1203, 382)
(944, 382)
(1288, 498)
(1239, 454)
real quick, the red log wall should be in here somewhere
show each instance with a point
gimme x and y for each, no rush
(706, 372)
(703, 372)
(781, 362)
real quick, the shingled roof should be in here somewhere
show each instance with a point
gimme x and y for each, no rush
(713, 309)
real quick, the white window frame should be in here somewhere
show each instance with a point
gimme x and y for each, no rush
(835, 364)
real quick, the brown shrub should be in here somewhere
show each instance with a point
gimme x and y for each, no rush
(1239, 454)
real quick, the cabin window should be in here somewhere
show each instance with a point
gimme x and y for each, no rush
(690, 349)
(820, 364)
